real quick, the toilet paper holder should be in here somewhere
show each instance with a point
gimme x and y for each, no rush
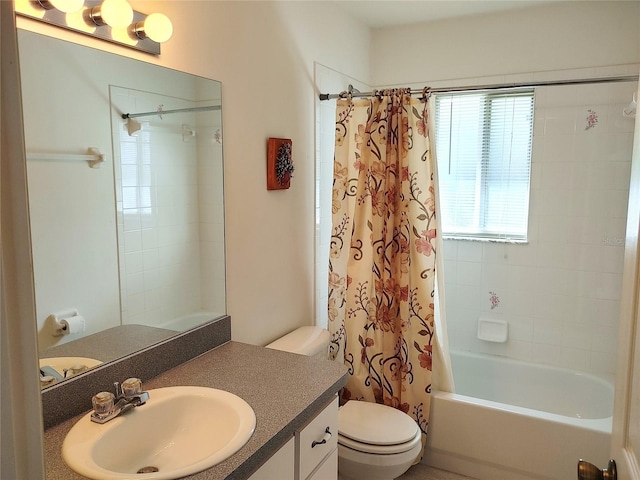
(60, 322)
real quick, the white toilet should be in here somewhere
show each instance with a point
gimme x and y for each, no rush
(375, 442)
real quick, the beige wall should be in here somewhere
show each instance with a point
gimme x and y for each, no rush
(554, 36)
(264, 54)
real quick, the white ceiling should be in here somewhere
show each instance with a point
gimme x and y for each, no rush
(385, 13)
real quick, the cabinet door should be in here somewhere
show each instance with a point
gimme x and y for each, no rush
(280, 466)
(328, 470)
(317, 439)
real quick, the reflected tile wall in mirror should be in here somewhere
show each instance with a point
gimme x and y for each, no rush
(169, 221)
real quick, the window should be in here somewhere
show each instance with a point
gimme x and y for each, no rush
(483, 148)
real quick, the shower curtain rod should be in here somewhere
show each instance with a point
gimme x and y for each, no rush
(164, 112)
(355, 93)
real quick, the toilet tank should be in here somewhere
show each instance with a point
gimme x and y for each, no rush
(310, 341)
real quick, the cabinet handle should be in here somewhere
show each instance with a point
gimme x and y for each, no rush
(327, 436)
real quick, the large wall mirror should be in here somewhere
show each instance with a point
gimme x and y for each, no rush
(130, 251)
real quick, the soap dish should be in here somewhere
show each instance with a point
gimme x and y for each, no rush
(491, 330)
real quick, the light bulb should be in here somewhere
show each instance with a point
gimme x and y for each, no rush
(76, 21)
(158, 27)
(27, 7)
(67, 6)
(122, 35)
(116, 13)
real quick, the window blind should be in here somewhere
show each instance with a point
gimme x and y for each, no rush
(483, 147)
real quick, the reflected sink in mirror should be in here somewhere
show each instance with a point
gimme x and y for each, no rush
(179, 431)
(58, 368)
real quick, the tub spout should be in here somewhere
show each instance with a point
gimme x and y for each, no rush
(588, 471)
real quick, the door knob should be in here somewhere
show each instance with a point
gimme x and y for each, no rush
(588, 471)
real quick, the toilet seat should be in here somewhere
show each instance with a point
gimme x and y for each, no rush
(374, 428)
(380, 449)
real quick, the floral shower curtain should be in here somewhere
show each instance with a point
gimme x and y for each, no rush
(383, 251)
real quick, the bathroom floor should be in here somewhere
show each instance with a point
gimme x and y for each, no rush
(424, 472)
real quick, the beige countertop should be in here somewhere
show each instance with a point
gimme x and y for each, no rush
(284, 389)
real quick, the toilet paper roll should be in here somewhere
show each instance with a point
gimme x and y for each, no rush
(75, 324)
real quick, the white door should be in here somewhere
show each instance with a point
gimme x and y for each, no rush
(625, 443)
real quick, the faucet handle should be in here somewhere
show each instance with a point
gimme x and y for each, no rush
(103, 404)
(131, 387)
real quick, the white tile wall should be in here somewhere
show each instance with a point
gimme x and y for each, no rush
(560, 292)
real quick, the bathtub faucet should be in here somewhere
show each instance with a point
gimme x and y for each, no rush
(107, 406)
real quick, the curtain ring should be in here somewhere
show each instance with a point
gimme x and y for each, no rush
(426, 94)
(350, 92)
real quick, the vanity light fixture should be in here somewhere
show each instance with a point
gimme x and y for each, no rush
(111, 20)
(115, 13)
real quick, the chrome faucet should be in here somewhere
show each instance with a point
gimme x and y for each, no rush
(107, 406)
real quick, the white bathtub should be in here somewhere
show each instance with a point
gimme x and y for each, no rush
(512, 420)
(188, 322)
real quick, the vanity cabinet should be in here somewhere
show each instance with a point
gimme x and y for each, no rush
(317, 446)
(328, 470)
(312, 454)
(296, 419)
(281, 465)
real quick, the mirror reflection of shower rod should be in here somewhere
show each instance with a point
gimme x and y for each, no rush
(165, 112)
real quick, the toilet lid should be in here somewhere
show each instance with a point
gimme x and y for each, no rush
(416, 442)
(375, 424)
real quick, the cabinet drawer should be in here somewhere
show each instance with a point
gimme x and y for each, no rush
(318, 439)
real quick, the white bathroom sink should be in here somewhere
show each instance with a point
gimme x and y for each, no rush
(74, 364)
(179, 431)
